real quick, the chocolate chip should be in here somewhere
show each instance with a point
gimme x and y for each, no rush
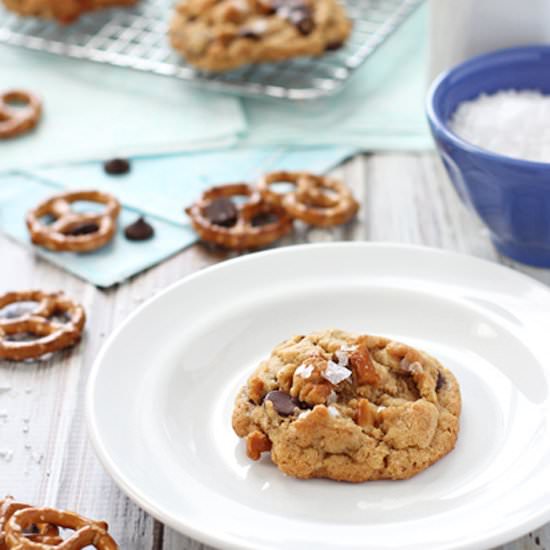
(333, 46)
(222, 212)
(140, 230)
(297, 12)
(82, 229)
(303, 22)
(264, 218)
(116, 167)
(283, 403)
(249, 33)
(440, 381)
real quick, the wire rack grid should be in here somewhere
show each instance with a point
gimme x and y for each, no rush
(137, 38)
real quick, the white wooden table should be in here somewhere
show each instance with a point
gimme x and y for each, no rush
(45, 456)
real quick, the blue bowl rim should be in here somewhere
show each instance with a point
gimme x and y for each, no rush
(441, 125)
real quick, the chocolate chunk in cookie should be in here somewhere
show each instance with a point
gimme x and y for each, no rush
(283, 403)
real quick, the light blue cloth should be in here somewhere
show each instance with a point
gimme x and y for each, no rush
(163, 186)
(111, 264)
(158, 187)
(381, 108)
(93, 111)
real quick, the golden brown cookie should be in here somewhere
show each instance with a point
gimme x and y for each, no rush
(220, 35)
(347, 407)
(64, 11)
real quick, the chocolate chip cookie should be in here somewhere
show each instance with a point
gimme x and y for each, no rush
(219, 35)
(64, 11)
(349, 407)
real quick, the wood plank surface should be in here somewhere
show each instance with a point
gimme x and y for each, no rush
(45, 456)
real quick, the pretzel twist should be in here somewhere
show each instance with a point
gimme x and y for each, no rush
(15, 121)
(41, 532)
(86, 531)
(57, 236)
(244, 234)
(317, 200)
(51, 335)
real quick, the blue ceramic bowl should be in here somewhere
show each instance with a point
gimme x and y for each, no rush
(511, 196)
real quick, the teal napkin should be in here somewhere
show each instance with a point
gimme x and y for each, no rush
(381, 108)
(93, 111)
(111, 264)
(163, 186)
(160, 188)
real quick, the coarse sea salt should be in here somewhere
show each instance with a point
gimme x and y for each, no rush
(514, 123)
(304, 370)
(334, 373)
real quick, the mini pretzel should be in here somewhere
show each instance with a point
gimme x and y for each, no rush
(40, 532)
(15, 121)
(244, 234)
(86, 531)
(317, 200)
(97, 229)
(51, 335)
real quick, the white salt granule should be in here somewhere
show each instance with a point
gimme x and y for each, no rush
(304, 370)
(334, 373)
(343, 358)
(332, 398)
(510, 122)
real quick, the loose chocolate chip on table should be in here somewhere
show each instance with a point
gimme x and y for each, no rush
(140, 230)
(82, 229)
(283, 403)
(116, 167)
(222, 212)
(440, 381)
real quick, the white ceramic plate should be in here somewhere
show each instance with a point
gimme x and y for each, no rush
(161, 393)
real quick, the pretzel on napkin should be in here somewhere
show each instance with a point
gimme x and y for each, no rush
(245, 229)
(316, 200)
(73, 231)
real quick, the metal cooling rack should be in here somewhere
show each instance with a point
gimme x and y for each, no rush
(136, 38)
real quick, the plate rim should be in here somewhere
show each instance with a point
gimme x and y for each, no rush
(225, 541)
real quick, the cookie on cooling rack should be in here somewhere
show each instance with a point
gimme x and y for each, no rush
(349, 407)
(64, 11)
(220, 35)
